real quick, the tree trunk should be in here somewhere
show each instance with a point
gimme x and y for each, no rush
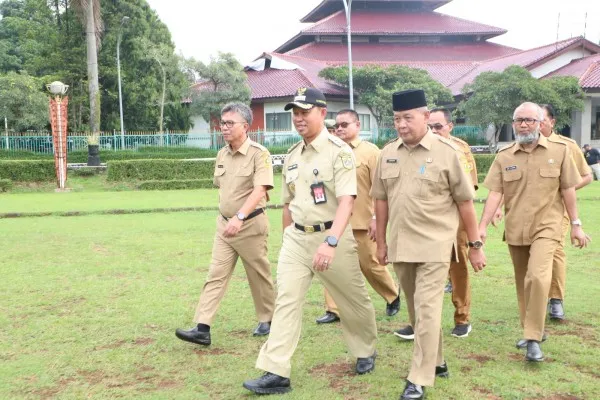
(92, 66)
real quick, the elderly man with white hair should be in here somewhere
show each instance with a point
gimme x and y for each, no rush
(537, 177)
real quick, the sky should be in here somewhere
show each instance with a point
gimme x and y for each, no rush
(246, 28)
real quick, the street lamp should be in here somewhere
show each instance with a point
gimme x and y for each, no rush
(123, 21)
(348, 8)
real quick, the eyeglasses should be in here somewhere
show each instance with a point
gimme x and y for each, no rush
(343, 125)
(528, 121)
(437, 127)
(230, 124)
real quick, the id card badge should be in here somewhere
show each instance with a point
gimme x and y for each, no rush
(317, 190)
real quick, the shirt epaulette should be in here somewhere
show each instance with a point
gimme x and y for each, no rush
(459, 140)
(391, 141)
(562, 138)
(507, 146)
(258, 146)
(336, 140)
(447, 141)
(294, 146)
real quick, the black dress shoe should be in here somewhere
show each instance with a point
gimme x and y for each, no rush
(392, 308)
(365, 365)
(534, 352)
(521, 344)
(194, 336)
(413, 392)
(269, 384)
(263, 329)
(328, 318)
(441, 371)
(556, 309)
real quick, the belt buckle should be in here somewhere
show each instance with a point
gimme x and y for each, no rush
(309, 229)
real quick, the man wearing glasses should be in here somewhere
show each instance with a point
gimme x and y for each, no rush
(347, 128)
(243, 174)
(440, 122)
(537, 177)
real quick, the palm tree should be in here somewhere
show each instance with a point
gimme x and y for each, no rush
(89, 14)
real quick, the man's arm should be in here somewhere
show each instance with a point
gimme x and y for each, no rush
(286, 216)
(578, 236)
(381, 215)
(234, 224)
(585, 180)
(492, 203)
(466, 210)
(325, 253)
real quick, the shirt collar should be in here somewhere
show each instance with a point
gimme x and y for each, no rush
(354, 144)
(542, 141)
(319, 142)
(425, 142)
(243, 148)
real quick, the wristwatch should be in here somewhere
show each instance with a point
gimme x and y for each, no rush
(576, 222)
(241, 216)
(476, 244)
(331, 241)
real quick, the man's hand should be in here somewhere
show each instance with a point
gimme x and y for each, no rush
(372, 232)
(578, 237)
(324, 257)
(477, 259)
(498, 215)
(382, 254)
(482, 233)
(233, 227)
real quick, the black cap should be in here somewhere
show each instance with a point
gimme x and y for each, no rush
(307, 98)
(409, 100)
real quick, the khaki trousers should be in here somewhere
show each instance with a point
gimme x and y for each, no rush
(343, 280)
(423, 286)
(250, 244)
(378, 276)
(533, 273)
(459, 277)
(559, 266)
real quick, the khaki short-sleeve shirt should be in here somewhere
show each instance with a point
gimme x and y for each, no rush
(576, 153)
(366, 162)
(326, 159)
(531, 182)
(238, 173)
(467, 160)
(422, 187)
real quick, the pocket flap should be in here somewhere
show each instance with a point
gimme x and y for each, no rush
(219, 171)
(291, 176)
(512, 176)
(245, 170)
(390, 171)
(550, 172)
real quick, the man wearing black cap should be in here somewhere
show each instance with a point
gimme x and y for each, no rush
(422, 189)
(318, 191)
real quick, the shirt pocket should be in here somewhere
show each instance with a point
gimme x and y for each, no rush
(550, 178)
(219, 172)
(427, 184)
(245, 170)
(290, 179)
(512, 180)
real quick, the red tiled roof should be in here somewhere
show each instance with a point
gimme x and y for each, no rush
(370, 22)
(373, 52)
(527, 59)
(587, 69)
(327, 7)
(273, 83)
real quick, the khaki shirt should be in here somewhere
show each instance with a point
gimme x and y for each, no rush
(335, 166)
(467, 160)
(422, 187)
(237, 174)
(576, 153)
(366, 161)
(531, 183)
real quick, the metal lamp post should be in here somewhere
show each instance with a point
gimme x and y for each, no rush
(123, 21)
(348, 8)
(58, 120)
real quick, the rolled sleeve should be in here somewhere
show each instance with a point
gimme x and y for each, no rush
(344, 177)
(461, 186)
(263, 170)
(569, 176)
(378, 191)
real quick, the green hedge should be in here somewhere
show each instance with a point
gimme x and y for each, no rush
(177, 184)
(5, 185)
(27, 170)
(148, 170)
(483, 162)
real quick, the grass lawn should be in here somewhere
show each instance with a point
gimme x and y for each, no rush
(89, 306)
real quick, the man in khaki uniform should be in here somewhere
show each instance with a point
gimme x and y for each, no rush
(422, 189)
(537, 177)
(243, 174)
(440, 122)
(559, 265)
(319, 187)
(363, 218)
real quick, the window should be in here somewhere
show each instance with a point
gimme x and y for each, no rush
(279, 121)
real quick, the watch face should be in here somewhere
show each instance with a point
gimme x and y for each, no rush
(330, 240)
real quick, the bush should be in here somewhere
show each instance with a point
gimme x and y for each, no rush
(23, 155)
(484, 162)
(5, 185)
(85, 171)
(146, 170)
(177, 184)
(27, 170)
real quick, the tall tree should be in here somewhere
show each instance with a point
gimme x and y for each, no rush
(375, 85)
(22, 102)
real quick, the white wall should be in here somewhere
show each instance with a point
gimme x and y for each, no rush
(559, 62)
(200, 125)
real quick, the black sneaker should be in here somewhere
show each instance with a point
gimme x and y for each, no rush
(521, 344)
(406, 333)
(392, 308)
(461, 330)
(441, 371)
(269, 384)
(413, 392)
(448, 288)
(328, 318)
(555, 309)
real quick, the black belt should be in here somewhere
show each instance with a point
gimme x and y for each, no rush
(253, 214)
(314, 228)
